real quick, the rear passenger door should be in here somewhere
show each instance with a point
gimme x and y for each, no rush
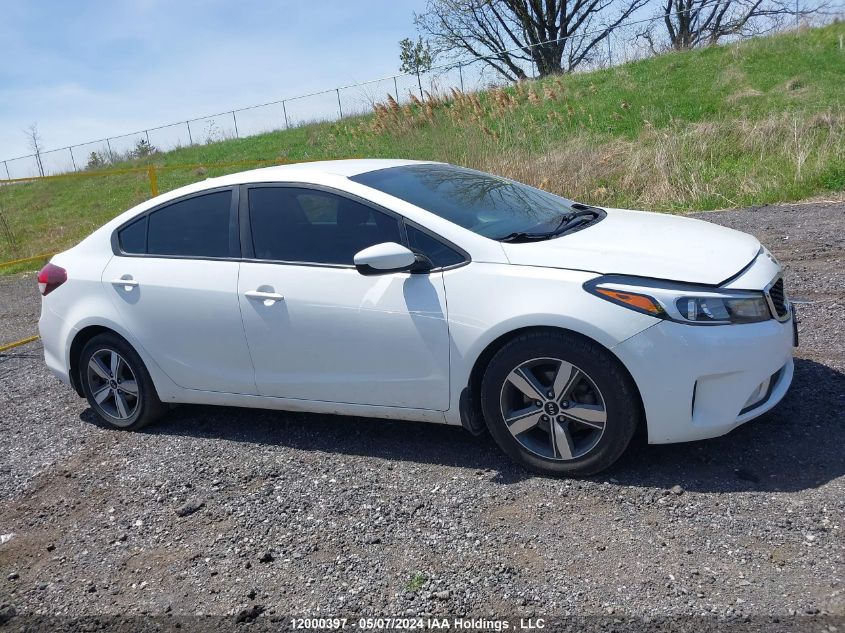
(319, 330)
(174, 280)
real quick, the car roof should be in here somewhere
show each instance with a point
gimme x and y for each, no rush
(311, 172)
(315, 172)
(331, 173)
(299, 171)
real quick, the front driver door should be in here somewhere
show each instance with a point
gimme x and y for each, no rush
(319, 330)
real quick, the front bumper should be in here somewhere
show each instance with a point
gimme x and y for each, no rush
(696, 381)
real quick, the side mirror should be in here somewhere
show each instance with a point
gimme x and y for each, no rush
(390, 257)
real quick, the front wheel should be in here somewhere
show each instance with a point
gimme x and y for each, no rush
(117, 385)
(559, 404)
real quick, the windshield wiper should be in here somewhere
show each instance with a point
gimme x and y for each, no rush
(571, 220)
(522, 236)
(567, 222)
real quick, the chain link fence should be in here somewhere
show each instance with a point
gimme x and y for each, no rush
(623, 45)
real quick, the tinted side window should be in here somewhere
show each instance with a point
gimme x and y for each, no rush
(436, 250)
(133, 238)
(318, 209)
(197, 227)
(305, 225)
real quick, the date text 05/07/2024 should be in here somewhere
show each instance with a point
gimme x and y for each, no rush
(417, 623)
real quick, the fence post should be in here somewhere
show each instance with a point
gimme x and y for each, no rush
(419, 83)
(395, 87)
(190, 138)
(461, 75)
(110, 153)
(339, 109)
(6, 165)
(72, 159)
(151, 172)
(285, 111)
(609, 53)
(147, 132)
(235, 119)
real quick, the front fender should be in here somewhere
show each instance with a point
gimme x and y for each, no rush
(489, 301)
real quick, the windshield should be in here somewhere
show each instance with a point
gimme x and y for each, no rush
(483, 203)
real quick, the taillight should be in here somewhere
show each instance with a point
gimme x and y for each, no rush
(50, 278)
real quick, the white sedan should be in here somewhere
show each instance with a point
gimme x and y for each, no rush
(423, 291)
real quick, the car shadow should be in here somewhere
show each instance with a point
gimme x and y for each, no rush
(796, 446)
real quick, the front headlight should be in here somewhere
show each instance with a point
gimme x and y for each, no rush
(685, 303)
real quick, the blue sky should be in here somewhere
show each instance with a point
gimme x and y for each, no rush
(84, 70)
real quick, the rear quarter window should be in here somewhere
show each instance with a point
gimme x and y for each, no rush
(133, 238)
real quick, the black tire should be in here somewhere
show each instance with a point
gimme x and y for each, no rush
(141, 409)
(617, 393)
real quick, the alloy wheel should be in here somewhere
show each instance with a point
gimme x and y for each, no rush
(553, 409)
(113, 386)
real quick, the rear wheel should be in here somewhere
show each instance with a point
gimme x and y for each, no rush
(559, 404)
(117, 385)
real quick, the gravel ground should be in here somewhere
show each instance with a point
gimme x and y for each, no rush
(19, 308)
(260, 515)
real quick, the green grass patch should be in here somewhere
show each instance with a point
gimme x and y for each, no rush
(416, 581)
(756, 122)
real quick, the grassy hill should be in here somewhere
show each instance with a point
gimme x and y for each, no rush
(755, 122)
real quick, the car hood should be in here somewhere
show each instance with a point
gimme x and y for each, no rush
(644, 244)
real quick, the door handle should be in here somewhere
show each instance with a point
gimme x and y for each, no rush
(269, 298)
(127, 284)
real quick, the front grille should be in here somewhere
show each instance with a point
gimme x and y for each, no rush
(778, 299)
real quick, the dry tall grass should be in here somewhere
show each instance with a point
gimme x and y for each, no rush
(718, 163)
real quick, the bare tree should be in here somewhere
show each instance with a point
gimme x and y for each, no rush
(692, 23)
(34, 140)
(554, 35)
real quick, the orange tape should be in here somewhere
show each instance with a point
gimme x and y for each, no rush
(26, 259)
(23, 341)
(138, 170)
